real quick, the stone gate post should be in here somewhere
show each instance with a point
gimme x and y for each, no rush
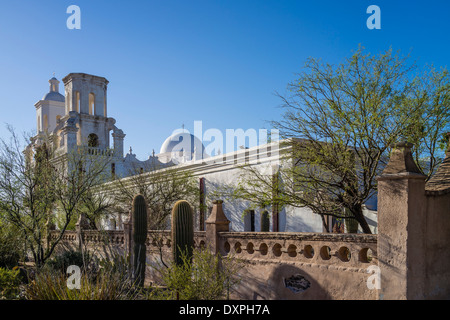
(401, 226)
(216, 222)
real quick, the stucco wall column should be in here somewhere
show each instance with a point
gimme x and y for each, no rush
(401, 227)
(216, 222)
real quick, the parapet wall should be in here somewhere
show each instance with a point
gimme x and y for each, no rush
(302, 265)
(275, 265)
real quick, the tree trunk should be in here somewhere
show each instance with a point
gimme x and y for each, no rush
(357, 212)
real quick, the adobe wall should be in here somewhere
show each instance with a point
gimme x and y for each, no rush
(437, 246)
(302, 265)
(274, 265)
(414, 229)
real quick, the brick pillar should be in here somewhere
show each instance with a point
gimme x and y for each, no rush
(216, 222)
(401, 227)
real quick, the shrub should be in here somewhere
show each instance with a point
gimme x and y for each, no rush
(11, 248)
(71, 257)
(108, 281)
(205, 277)
(9, 283)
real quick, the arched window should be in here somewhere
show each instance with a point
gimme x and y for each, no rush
(249, 220)
(45, 122)
(77, 101)
(91, 103)
(93, 140)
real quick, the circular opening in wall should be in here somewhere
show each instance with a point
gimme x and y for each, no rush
(277, 250)
(168, 243)
(250, 248)
(237, 247)
(325, 253)
(202, 244)
(227, 247)
(366, 255)
(308, 251)
(344, 254)
(263, 249)
(292, 251)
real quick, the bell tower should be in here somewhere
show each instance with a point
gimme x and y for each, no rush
(86, 94)
(50, 109)
(85, 97)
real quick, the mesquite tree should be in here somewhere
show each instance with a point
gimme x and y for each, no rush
(340, 122)
(37, 188)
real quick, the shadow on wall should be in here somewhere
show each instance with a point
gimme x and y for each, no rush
(285, 282)
(233, 209)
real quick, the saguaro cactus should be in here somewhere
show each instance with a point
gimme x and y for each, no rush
(265, 221)
(182, 231)
(139, 213)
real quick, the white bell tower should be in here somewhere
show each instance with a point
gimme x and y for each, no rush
(86, 97)
(50, 109)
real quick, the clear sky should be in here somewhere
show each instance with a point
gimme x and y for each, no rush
(174, 62)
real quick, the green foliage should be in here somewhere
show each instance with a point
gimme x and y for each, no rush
(182, 231)
(33, 186)
(205, 276)
(11, 248)
(61, 262)
(161, 187)
(104, 279)
(340, 123)
(9, 283)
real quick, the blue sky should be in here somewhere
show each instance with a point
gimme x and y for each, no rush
(174, 62)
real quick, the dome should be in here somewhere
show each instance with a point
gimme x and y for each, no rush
(54, 96)
(183, 143)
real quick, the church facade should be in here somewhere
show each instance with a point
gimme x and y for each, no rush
(79, 119)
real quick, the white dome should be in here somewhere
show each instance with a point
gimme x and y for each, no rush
(54, 96)
(183, 144)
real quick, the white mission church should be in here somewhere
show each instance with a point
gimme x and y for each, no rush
(80, 118)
